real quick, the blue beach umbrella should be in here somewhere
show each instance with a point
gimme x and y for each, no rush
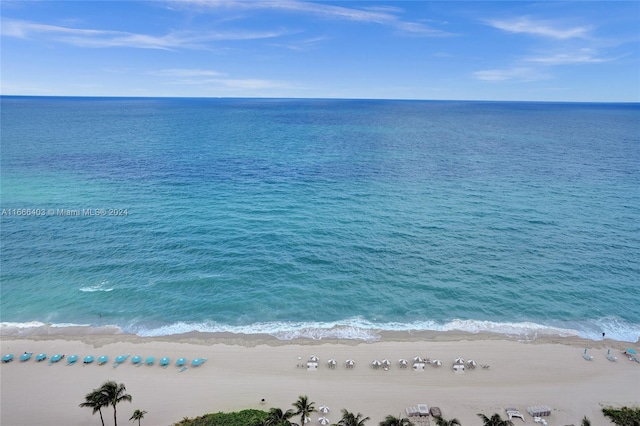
(150, 360)
(165, 361)
(25, 356)
(103, 360)
(41, 357)
(7, 358)
(631, 351)
(72, 359)
(181, 361)
(88, 359)
(136, 360)
(198, 361)
(55, 358)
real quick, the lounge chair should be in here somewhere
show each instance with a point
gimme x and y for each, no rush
(412, 411)
(435, 412)
(513, 412)
(7, 358)
(587, 357)
(164, 362)
(423, 410)
(41, 357)
(103, 359)
(25, 356)
(72, 359)
(611, 357)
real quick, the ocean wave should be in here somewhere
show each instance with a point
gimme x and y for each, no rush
(98, 287)
(354, 329)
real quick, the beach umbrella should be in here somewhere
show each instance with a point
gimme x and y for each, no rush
(437, 362)
(631, 351)
(41, 357)
(307, 419)
(137, 360)
(198, 361)
(7, 358)
(72, 359)
(332, 363)
(55, 358)
(403, 362)
(386, 362)
(164, 361)
(181, 361)
(25, 356)
(471, 363)
(458, 361)
(314, 358)
(418, 359)
(121, 358)
(350, 363)
(150, 360)
(323, 421)
(103, 359)
(88, 359)
(323, 409)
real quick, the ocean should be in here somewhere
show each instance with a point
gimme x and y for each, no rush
(312, 218)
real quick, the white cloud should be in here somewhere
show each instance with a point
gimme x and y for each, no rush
(516, 73)
(583, 56)
(105, 38)
(526, 25)
(184, 72)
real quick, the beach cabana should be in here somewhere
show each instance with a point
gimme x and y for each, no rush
(458, 368)
(312, 366)
(7, 358)
(88, 359)
(72, 359)
(418, 366)
(41, 357)
(25, 356)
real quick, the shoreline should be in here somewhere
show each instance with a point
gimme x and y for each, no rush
(240, 371)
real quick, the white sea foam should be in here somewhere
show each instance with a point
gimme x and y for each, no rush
(103, 286)
(355, 329)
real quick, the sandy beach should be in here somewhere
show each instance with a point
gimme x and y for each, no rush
(242, 370)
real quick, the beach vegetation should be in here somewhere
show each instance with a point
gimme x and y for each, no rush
(585, 421)
(115, 394)
(96, 400)
(304, 408)
(137, 415)
(238, 418)
(442, 422)
(350, 419)
(396, 421)
(277, 417)
(494, 420)
(625, 416)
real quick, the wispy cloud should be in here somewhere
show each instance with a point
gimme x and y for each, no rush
(516, 73)
(211, 78)
(388, 16)
(93, 38)
(184, 72)
(582, 56)
(527, 25)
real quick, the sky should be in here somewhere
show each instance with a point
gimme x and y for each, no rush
(582, 51)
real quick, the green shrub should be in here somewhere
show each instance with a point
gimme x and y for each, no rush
(624, 416)
(239, 418)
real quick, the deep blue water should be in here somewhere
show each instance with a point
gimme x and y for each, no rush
(320, 217)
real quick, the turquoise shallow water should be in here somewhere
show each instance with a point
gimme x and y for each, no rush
(320, 218)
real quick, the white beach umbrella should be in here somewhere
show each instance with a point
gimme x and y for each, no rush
(323, 409)
(350, 363)
(471, 363)
(332, 363)
(458, 361)
(307, 419)
(386, 362)
(323, 421)
(314, 358)
(375, 363)
(403, 362)
(418, 359)
(437, 362)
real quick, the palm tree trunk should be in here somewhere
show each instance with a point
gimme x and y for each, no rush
(115, 419)
(101, 419)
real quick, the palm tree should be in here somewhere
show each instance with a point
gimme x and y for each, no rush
(495, 420)
(442, 422)
(349, 419)
(396, 421)
(96, 401)
(277, 417)
(138, 415)
(304, 408)
(585, 421)
(115, 393)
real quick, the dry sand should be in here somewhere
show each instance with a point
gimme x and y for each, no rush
(241, 371)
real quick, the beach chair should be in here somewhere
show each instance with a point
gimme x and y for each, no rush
(412, 411)
(513, 412)
(587, 357)
(611, 357)
(423, 410)
(435, 412)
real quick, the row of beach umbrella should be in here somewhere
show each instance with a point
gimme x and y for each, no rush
(89, 359)
(385, 363)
